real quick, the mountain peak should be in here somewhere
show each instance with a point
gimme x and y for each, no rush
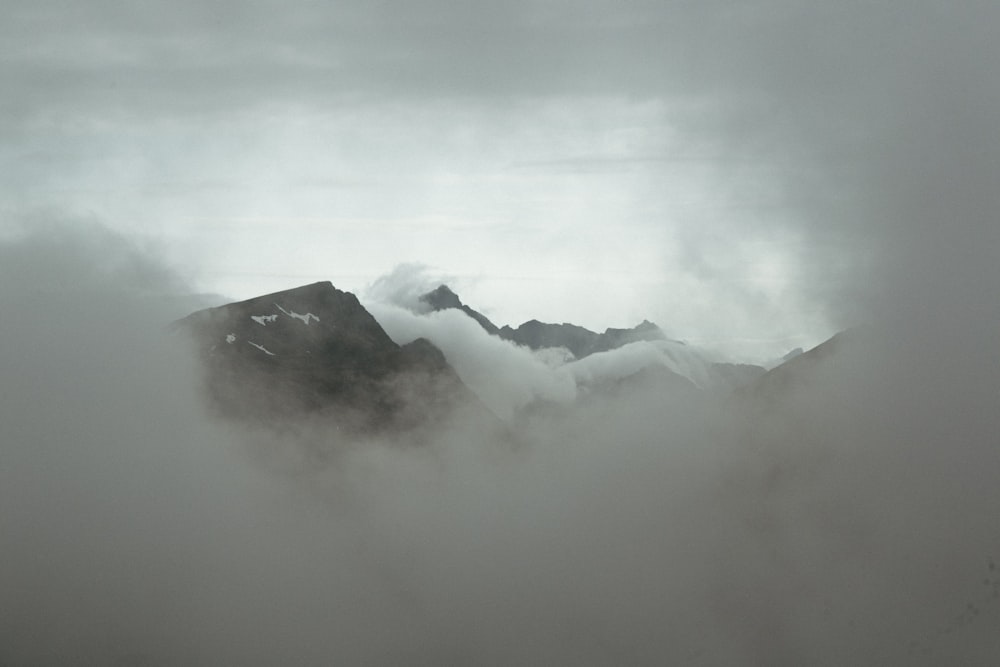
(441, 298)
(536, 334)
(315, 350)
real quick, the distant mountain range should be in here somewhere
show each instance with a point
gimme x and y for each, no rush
(316, 352)
(581, 342)
(537, 335)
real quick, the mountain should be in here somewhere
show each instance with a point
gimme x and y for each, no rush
(578, 340)
(583, 343)
(538, 335)
(798, 368)
(443, 298)
(316, 352)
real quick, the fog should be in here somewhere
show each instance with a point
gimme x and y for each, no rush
(846, 514)
(850, 521)
(758, 172)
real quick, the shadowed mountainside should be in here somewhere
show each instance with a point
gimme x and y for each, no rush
(315, 351)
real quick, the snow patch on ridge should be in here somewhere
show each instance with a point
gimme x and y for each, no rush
(263, 319)
(231, 338)
(305, 318)
(261, 348)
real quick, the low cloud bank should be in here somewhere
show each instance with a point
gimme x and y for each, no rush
(850, 521)
(505, 376)
(509, 377)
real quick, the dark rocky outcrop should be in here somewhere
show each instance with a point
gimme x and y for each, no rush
(578, 340)
(537, 335)
(443, 298)
(316, 352)
(582, 342)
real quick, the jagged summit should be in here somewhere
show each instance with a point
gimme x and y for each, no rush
(537, 335)
(315, 350)
(582, 342)
(643, 327)
(295, 320)
(442, 298)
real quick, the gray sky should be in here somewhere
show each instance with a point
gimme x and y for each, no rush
(750, 175)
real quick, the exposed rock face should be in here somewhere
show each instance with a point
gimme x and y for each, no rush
(314, 351)
(578, 340)
(443, 298)
(582, 342)
(537, 335)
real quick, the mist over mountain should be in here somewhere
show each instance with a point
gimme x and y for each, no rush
(314, 353)
(840, 509)
(649, 352)
(752, 176)
(442, 298)
(538, 335)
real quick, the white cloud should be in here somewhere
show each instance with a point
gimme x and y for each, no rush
(505, 376)
(852, 519)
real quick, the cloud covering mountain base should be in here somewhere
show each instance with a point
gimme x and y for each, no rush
(851, 521)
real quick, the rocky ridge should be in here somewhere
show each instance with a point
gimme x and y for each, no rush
(315, 351)
(583, 343)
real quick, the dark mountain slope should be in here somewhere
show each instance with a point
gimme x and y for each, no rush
(537, 335)
(798, 369)
(314, 351)
(443, 298)
(578, 340)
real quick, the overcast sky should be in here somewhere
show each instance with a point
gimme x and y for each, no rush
(752, 175)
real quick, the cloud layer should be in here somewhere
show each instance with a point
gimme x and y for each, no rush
(851, 520)
(756, 173)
